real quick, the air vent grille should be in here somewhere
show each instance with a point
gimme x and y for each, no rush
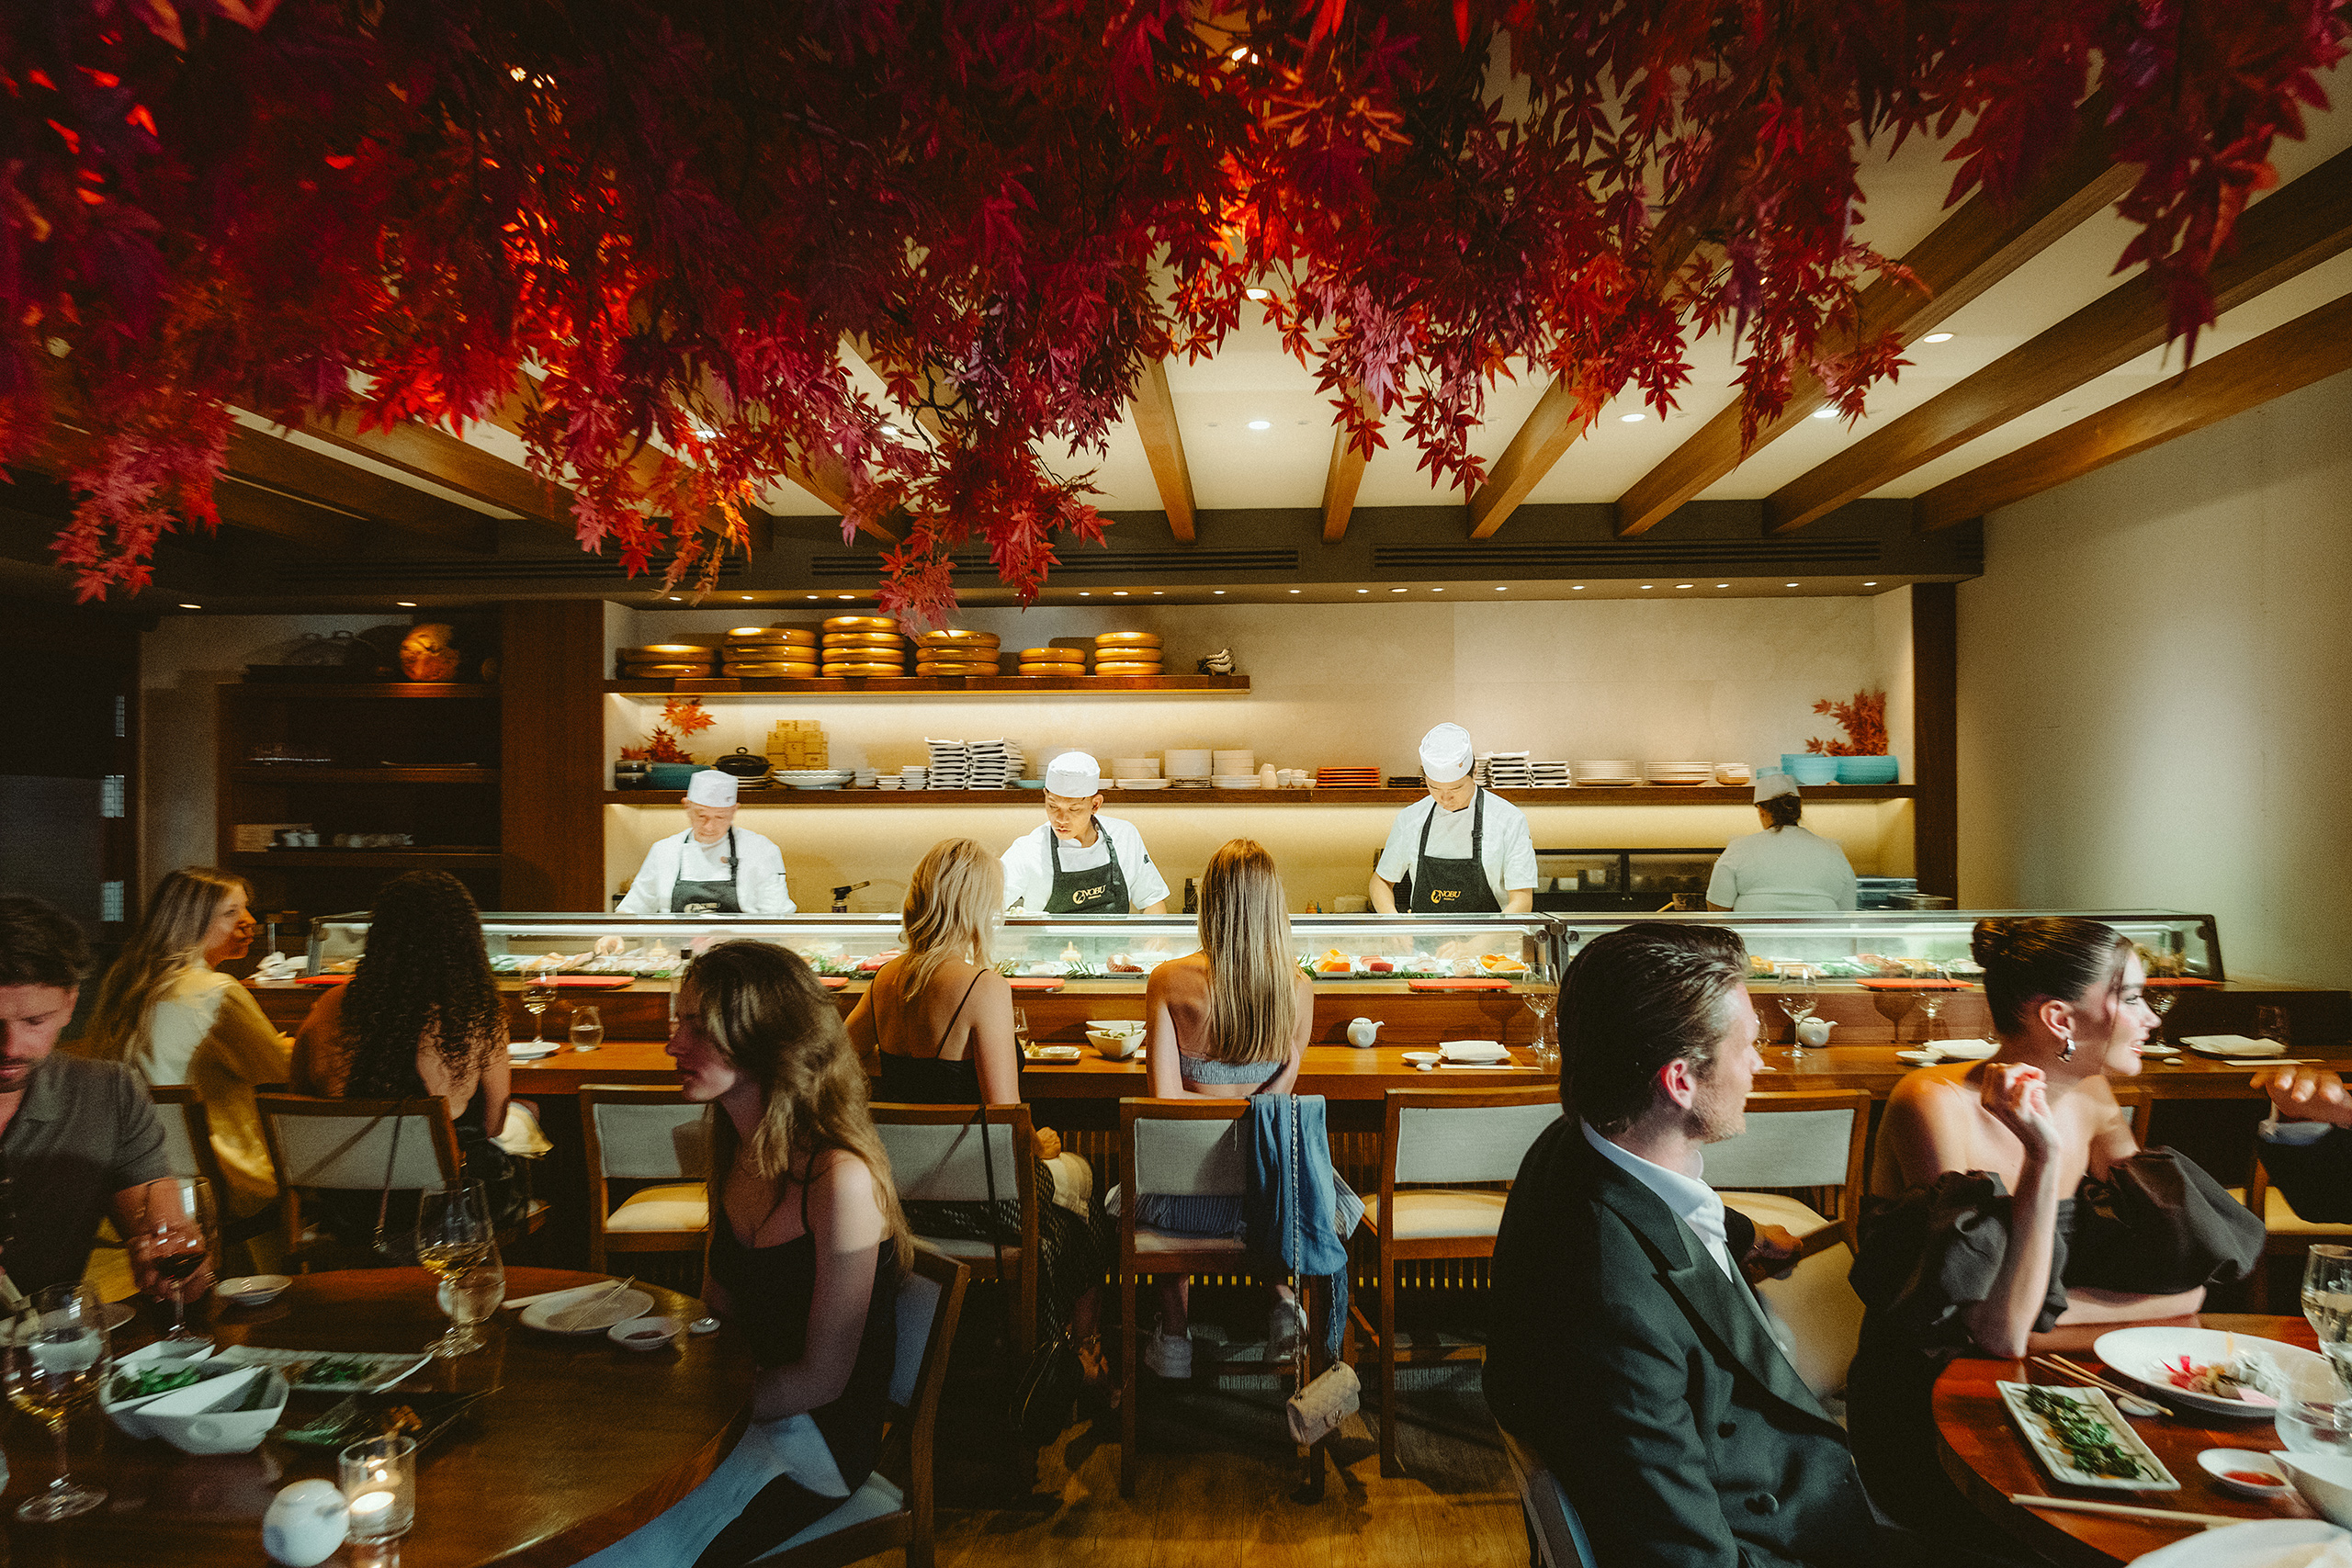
(1643, 554)
(1158, 565)
(416, 573)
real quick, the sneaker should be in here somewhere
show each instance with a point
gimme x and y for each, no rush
(1168, 1355)
(1285, 1325)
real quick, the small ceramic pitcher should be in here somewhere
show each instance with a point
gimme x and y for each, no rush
(1813, 1033)
(1362, 1032)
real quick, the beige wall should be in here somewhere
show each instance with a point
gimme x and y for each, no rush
(2156, 690)
(1724, 681)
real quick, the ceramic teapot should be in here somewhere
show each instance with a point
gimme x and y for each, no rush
(1813, 1033)
(1362, 1032)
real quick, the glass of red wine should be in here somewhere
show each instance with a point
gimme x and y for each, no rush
(175, 1244)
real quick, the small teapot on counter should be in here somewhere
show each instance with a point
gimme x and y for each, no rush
(1362, 1032)
(1813, 1033)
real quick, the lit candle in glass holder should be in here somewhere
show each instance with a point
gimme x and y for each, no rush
(380, 1478)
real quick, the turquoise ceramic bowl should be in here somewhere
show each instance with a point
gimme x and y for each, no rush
(672, 775)
(1867, 770)
(1812, 770)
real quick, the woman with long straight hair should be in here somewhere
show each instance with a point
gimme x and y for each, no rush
(936, 1028)
(167, 1012)
(421, 1017)
(807, 1247)
(1226, 1022)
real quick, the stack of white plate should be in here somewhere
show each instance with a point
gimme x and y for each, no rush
(864, 778)
(1613, 773)
(1681, 773)
(1230, 763)
(1185, 765)
(814, 778)
(914, 778)
(1125, 768)
(1139, 783)
(1293, 778)
(890, 781)
(1551, 775)
(951, 763)
(1508, 769)
(1235, 781)
(994, 765)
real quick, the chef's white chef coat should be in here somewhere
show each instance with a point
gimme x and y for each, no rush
(1782, 871)
(759, 889)
(1029, 865)
(1507, 853)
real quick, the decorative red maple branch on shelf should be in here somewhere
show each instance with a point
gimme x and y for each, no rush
(682, 717)
(1864, 722)
(640, 234)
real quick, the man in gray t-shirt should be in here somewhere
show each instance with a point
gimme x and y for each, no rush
(78, 1139)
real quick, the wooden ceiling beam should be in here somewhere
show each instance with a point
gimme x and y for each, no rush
(258, 508)
(2310, 348)
(1154, 409)
(1970, 252)
(1346, 474)
(279, 464)
(453, 464)
(1538, 444)
(2292, 231)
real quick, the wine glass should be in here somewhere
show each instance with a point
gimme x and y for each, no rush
(1019, 1029)
(587, 1029)
(1932, 999)
(472, 1297)
(175, 1241)
(2327, 1302)
(1799, 996)
(1546, 1044)
(53, 1360)
(453, 1238)
(538, 991)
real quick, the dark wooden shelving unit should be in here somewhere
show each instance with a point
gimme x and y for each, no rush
(1650, 795)
(887, 686)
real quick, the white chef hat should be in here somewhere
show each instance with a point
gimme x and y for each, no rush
(1445, 754)
(1074, 774)
(712, 789)
(1770, 784)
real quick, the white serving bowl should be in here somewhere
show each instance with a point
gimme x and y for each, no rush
(130, 1416)
(645, 1333)
(1118, 1044)
(2326, 1482)
(204, 1419)
(253, 1289)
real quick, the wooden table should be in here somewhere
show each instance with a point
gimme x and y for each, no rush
(581, 1442)
(1987, 1459)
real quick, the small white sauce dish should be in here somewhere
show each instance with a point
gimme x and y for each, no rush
(2220, 1462)
(645, 1333)
(252, 1289)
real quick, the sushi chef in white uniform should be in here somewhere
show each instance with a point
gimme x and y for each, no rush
(714, 867)
(1785, 868)
(1467, 850)
(1076, 862)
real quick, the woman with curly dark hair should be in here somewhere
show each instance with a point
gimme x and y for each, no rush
(422, 1016)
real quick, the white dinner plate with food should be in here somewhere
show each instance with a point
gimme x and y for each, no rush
(591, 1309)
(2225, 1375)
(2231, 1047)
(2082, 1440)
(2257, 1543)
(1054, 1054)
(329, 1371)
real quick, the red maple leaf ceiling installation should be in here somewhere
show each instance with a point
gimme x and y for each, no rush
(642, 232)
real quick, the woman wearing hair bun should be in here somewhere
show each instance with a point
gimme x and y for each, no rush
(2008, 1196)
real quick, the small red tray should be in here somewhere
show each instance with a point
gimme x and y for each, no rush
(595, 982)
(2178, 981)
(832, 982)
(321, 979)
(1914, 984)
(1036, 983)
(1457, 985)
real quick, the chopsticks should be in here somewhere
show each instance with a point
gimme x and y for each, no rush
(2121, 1511)
(2061, 1365)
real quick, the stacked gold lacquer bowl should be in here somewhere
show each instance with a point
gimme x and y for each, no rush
(863, 645)
(1053, 661)
(949, 652)
(669, 661)
(1126, 653)
(771, 653)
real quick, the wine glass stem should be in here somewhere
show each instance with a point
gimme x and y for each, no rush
(57, 1424)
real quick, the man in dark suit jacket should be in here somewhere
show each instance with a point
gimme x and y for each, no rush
(2307, 1141)
(1628, 1350)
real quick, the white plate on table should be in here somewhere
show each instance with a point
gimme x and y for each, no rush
(1054, 1054)
(1918, 1058)
(1483, 1052)
(2150, 1475)
(304, 1368)
(2232, 1046)
(610, 1307)
(2255, 1544)
(2139, 1355)
(527, 1052)
(1964, 1050)
(1421, 1058)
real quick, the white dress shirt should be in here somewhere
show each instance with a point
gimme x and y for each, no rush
(1507, 854)
(1697, 1205)
(1029, 865)
(759, 890)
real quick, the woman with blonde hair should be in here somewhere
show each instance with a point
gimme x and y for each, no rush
(167, 1012)
(1226, 1022)
(807, 1247)
(936, 1028)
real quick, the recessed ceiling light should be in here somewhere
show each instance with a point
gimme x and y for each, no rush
(747, 598)
(673, 598)
(1118, 593)
(1723, 585)
(812, 596)
(845, 595)
(1242, 52)
(1258, 293)
(1502, 588)
(1293, 590)
(1437, 589)
(1795, 585)
(1396, 590)
(1219, 591)
(1631, 418)
(1085, 593)
(1573, 588)
(1158, 592)
(191, 606)
(1648, 586)
(1685, 585)
(1261, 425)
(1869, 585)
(1363, 590)
(411, 604)
(1825, 413)
(1937, 337)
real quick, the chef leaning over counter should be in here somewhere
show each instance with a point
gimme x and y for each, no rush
(1077, 862)
(1466, 848)
(1785, 869)
(714, 867)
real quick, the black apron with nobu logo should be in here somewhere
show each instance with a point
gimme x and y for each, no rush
(707, 898)
(1454, 886)
(1102, 890)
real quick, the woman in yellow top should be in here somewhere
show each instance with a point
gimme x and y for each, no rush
(168, 1012)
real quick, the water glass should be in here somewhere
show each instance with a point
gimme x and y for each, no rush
(2327, 1304)
(379, 1483)
(53, 1360)
(2271, 1023)
(587, 1029)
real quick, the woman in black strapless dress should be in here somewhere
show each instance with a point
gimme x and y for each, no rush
(808, 1247)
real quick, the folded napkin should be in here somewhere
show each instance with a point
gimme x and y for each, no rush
(1473, 1050)
(1963, 1050)
(2233, 1046)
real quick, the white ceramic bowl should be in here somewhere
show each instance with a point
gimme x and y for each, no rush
(130, 1415)
(1116, 1044)
(253, 1289)
(645, 1333)
(2224, 1464)
(2326, 1482)
(204, 1419)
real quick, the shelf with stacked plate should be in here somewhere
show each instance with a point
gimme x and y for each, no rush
(1636, 795)
(924, 685)
(868, 655)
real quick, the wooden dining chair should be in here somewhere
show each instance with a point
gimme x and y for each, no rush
(1445, 1158)
(187, 1134)
(658, 1142)
(1813, 1143)
(352, 1146)
(893, 1508)
(935, 1157)
(1556, 1535)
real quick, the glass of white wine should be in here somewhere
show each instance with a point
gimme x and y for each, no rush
(2327, 1302)
(53, 1360)
(1800, 994)
(453, 1239)
(471, 1298)
(539, 992)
